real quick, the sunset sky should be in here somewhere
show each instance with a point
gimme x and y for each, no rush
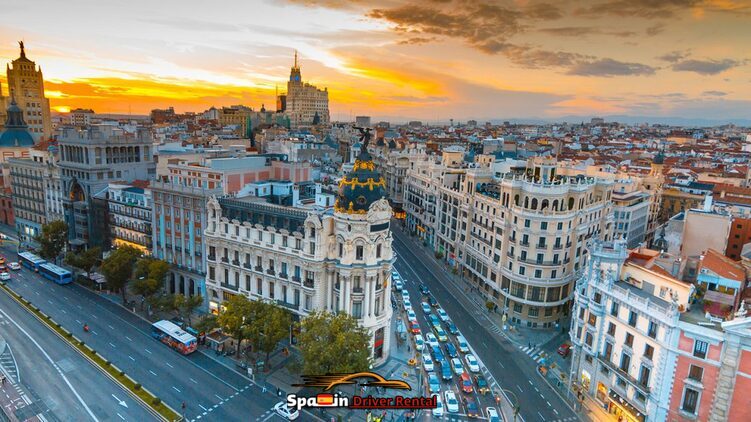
(398, 60)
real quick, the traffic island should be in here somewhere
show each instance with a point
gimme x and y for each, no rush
(148, 399)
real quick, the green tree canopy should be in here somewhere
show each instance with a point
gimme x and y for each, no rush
(235, 318)
(117, 268)
(52, 239)
(145, 287)
(189, 305)
(269, 324)
(333, 343)
(86, 260)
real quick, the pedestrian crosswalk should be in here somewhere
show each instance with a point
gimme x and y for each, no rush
(535, 353)
(496, 329)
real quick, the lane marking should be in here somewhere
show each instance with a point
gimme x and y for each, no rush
(541, 417)
(167, 363)
(219, 397)
(113, 346)
(111, 327)
(152, 372)
(175, 388)
(75, 392)
(131, 358)
(204, 409)
(193, 381)
(555, 411)
(520, 389)
(129, 339)
(121, 416)
(147, 351)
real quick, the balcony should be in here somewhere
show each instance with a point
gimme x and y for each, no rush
(623, 374)
(283, 275)
(512, 239)
(296, 278)
(271, 271)
(211, 258)
(292, 306)
(568, 244)
(258, 268)
(557, 246)
(247, 266)
(523, 243)
(229, 286)
(225, 260)
(236, 262)
(357, 290)
(308, 283)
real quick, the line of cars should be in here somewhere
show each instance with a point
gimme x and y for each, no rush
(4, 274)
(458, 361)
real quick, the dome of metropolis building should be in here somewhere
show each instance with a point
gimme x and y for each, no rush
(16, 132)
(361, 187)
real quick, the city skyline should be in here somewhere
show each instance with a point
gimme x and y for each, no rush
(397, 60)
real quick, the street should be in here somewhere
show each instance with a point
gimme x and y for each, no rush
(208, 388)
(59, 382)
(512, 369)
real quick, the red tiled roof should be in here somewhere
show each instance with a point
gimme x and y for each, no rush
(722, 266)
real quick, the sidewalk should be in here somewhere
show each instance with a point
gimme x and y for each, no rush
(15, 404)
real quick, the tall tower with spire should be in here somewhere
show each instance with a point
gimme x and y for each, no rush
(304, 101)
(294, 74)
(26, 87)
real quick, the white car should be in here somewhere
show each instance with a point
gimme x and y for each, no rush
(452, 405)
(438, 410)
(456, 365)
(398, 285)
(431, 340)
(282, 410)
(411, 316)
(405, 295)
(472, 363)
(493, 415)
(443, 315)
(407, 304)
(14, 266)
(419, 342)
(463, 346)
(427, 362)
(426, 308)
(5, 276)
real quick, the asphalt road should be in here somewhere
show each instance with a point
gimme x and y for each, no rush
(62, 383)
(208, 388)
(511, 368)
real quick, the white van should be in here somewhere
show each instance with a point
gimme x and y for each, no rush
(463, 345)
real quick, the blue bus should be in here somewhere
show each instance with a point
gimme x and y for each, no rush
(30, 261)
(57, 274)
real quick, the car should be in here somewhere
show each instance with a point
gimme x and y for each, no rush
(440, 334)
(282, 410)
(405, 295)
(427, 362)
(482, 384)
(424, 289)
(411, 315)
(432, 301)
(419, 342)
(398, 285)
(438, 409)
(446, 374)
(414, 327)
(4, 276)
(434, 384)
(457, 366)
(434, 321)
(451, 350)
(431, 340)
(493, 415)
(452, 328)
(452, 405)
(473, 411)
(466, 383)
(14, 266)
(407, 304)
(443, 315)
(463, 345)
(437, 355)
(564, 349)
(472, 363)
(425, 308)
(2, 260)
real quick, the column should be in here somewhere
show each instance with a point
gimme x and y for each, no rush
(371, 296)
(330, 280)
(342, 284)
(366, 298)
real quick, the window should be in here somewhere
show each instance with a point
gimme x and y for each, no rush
(592, 320)
(543, 225)
(359, 252)
(588, 339)
(259, 287)
(522, 270)
(649, 351)
(357, 309)
(538, 273)
(598, 298)
(533, 312)
(614, 308)
(695, 373)
(518, 308)
(341, 250)
(632, 318)
(260, 235)
(644, 373)
(560, 226)
(307, 301)
(581, 313)
(652, 330)
(607, 351)
(700, 349)
(247, 282)
(526, 223)
(629, 340)
(690, 401)
(611, 329)
(378, 251)
(625, 361)
(312, 248)
(271, 289)
(212, 275)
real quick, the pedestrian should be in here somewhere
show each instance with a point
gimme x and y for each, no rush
(2, 379)
(409, 349)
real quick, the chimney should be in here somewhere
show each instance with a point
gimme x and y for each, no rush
(676, 267)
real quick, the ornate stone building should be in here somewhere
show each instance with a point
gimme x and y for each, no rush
(305, 104)
(334, 260)
(26, 87)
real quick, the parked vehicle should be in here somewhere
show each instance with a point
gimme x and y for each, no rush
(411, 315)
(419, 342)
(405, 295)
(398, 285)
(564, 349)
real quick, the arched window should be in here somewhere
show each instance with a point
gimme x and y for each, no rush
(516, 200)
(192, 290)
(570, 204)
(555, 205)
(544, 204)
(534, 203)
(526, 202)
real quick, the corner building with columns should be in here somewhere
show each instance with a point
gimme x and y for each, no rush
(305, 260)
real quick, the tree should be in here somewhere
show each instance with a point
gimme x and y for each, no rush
(52, 239)
(189, 305)
(118, 268)
(235, 318)
(207, 323)
(146, 288)
(490, 305)
(269, 324)
(333, 343)
(86, 260)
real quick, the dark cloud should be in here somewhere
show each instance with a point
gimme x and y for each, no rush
(674, 56)
(649, 9)
(655, 29)
(706, 67)
(534, 58)
(417, 40)
(543, 11)
(714, 93)
(571, 31)
(609, 67)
